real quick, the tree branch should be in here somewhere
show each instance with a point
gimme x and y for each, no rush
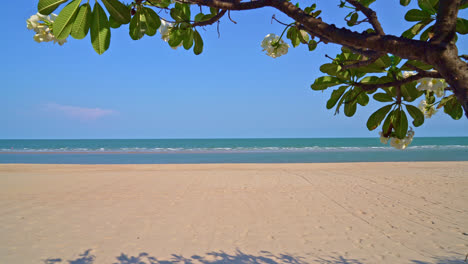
(211, 20)
(232, 5)
(370, 14)
(445, 25)
(371, 87)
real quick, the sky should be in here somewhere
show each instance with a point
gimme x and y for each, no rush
(145, 89)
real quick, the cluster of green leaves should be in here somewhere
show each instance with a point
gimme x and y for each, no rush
(77, 19)
(351, 93)
(425, 16)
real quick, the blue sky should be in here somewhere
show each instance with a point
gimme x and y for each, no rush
(145, 89)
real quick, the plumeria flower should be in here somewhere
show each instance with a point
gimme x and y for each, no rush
(273, 46)
(407, 74)
(435, 85)
(383, 139)
(402, 143)
(428, 110)
(164, 29)
(42, 29)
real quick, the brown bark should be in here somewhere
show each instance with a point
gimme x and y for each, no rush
(439, 52)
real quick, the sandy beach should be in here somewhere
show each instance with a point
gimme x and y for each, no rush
(351, 213)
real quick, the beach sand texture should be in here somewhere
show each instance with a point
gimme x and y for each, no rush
(415, 212)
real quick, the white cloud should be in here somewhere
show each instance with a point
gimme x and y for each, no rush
(81, 113)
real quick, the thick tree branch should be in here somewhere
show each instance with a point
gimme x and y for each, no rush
(232, 5)
(401, 47)
(444, 28)
(210, 21)
(371, 87)
(370, 14)
(438, 52)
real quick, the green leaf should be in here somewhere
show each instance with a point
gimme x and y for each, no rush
(428, 6)
(335, 95)
(312, 45)
(453, 108)
(418, 64)
(404, 2)
(292, 34)
(64, 22)
(213, 10)
(186, 11)
(416, 114)
(370, 80)
(153, 22)
(409, 91)
(119, 11)
(198, 48)
(176, 14)
(427, 34)
(324, 82)
(363, 99)
(46, 7)
(376, 118)
(100, 31)
(175, 37)
(82, 22)
(303, 36)
(444, 101)
(417, 15)
(136, 26)
(199, 17)
(462, 26)
(401, 126)
(383, 97)
(387, 122)
(188, 39)
(350, 108)
(352, 21)
(330, 68)
(415, 29)
(113, 23)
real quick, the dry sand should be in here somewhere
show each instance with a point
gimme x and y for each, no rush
(234, 213)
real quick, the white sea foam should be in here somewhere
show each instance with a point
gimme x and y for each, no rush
(232, 149)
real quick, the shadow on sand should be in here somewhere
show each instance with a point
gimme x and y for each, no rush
(221, 257)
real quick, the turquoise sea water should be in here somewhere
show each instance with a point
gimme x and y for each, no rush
(159, 151)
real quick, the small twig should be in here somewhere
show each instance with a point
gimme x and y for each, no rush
(370, 87)
(282, 23)
(326, 56)
(464, 56)
(370, 14)
(229, 16)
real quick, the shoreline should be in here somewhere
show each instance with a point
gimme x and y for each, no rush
(359, 212)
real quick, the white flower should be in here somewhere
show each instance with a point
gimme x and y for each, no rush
(435, 85)
(164, 29)
(273, 46)
(33, 21)
(407, 74)
(43, 32)
(398, 143)
(383, 139)
(428, 110)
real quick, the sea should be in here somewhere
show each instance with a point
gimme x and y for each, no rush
(246, 150)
